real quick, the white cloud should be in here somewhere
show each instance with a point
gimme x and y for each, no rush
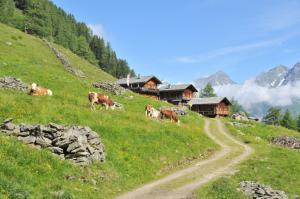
(249, 94)
(97, 29)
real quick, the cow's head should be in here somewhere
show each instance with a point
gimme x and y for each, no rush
(33, 86)
(148, 108)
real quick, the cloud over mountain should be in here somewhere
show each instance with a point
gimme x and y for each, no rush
(249, 94)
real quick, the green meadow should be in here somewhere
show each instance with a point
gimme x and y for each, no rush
(138, 149)
(271, 165)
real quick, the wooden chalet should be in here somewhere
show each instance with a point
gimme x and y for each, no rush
(145, 85)
(211, 106)
(176, 94)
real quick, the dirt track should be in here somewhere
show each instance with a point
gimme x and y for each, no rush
(181, 184)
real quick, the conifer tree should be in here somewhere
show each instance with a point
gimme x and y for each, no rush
(208, 91)
(287, 120)
(44, 19)
(272, 116)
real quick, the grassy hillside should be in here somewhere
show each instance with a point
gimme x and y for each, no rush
(138, 149)
(271, 165)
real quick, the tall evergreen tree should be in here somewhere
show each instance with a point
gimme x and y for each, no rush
(10, 15)
(7, 10)
(44, 19)
(272, 116)
(208, 91)
(287, 120)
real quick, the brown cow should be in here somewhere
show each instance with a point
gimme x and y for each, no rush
(172, 115)
(36, 90)
(98, 98)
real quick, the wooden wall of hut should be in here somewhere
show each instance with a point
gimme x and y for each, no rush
(207, 110)
(151, 84)
(222, 109)
(187, 94)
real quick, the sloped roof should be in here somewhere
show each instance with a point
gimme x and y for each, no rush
(208, 100)
(179, 87)
(141, 79)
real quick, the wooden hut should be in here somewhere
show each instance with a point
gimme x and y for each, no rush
(175, 94)
(211, 106)
(146, 85)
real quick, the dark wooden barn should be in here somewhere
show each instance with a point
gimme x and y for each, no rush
(211, 106)
(176, 94)
(146, 85)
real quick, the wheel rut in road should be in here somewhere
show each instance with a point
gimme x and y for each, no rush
(183, 183)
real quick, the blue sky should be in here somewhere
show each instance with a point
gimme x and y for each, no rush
(180, 41)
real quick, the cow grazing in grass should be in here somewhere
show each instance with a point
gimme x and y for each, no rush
(98, 98)
(37, 90)
(152, 112)
(169, 114)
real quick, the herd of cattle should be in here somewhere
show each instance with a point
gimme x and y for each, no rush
(104, 100)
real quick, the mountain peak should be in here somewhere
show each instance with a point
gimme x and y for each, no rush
(220, 72)
(293, 75)
(219, 78)
(272, 78)
(280, 68)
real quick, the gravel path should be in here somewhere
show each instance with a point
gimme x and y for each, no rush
(183, 183)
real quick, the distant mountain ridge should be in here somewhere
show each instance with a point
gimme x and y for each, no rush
(219, 78)
(279, 76)
(276, 77)
(278, 87)
(273, 78)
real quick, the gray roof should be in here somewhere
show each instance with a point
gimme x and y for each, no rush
(208, 100)
(177, 87)
(134, 80)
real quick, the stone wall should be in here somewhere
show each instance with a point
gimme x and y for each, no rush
(179, 110)
(63, 59)
(78, 144)
(256, 190)
(286, 141)
(13, 83)
(110, 87)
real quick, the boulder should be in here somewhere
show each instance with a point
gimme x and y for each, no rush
(28, 140)
(240, 116)
(43, 142)
(56, 150)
